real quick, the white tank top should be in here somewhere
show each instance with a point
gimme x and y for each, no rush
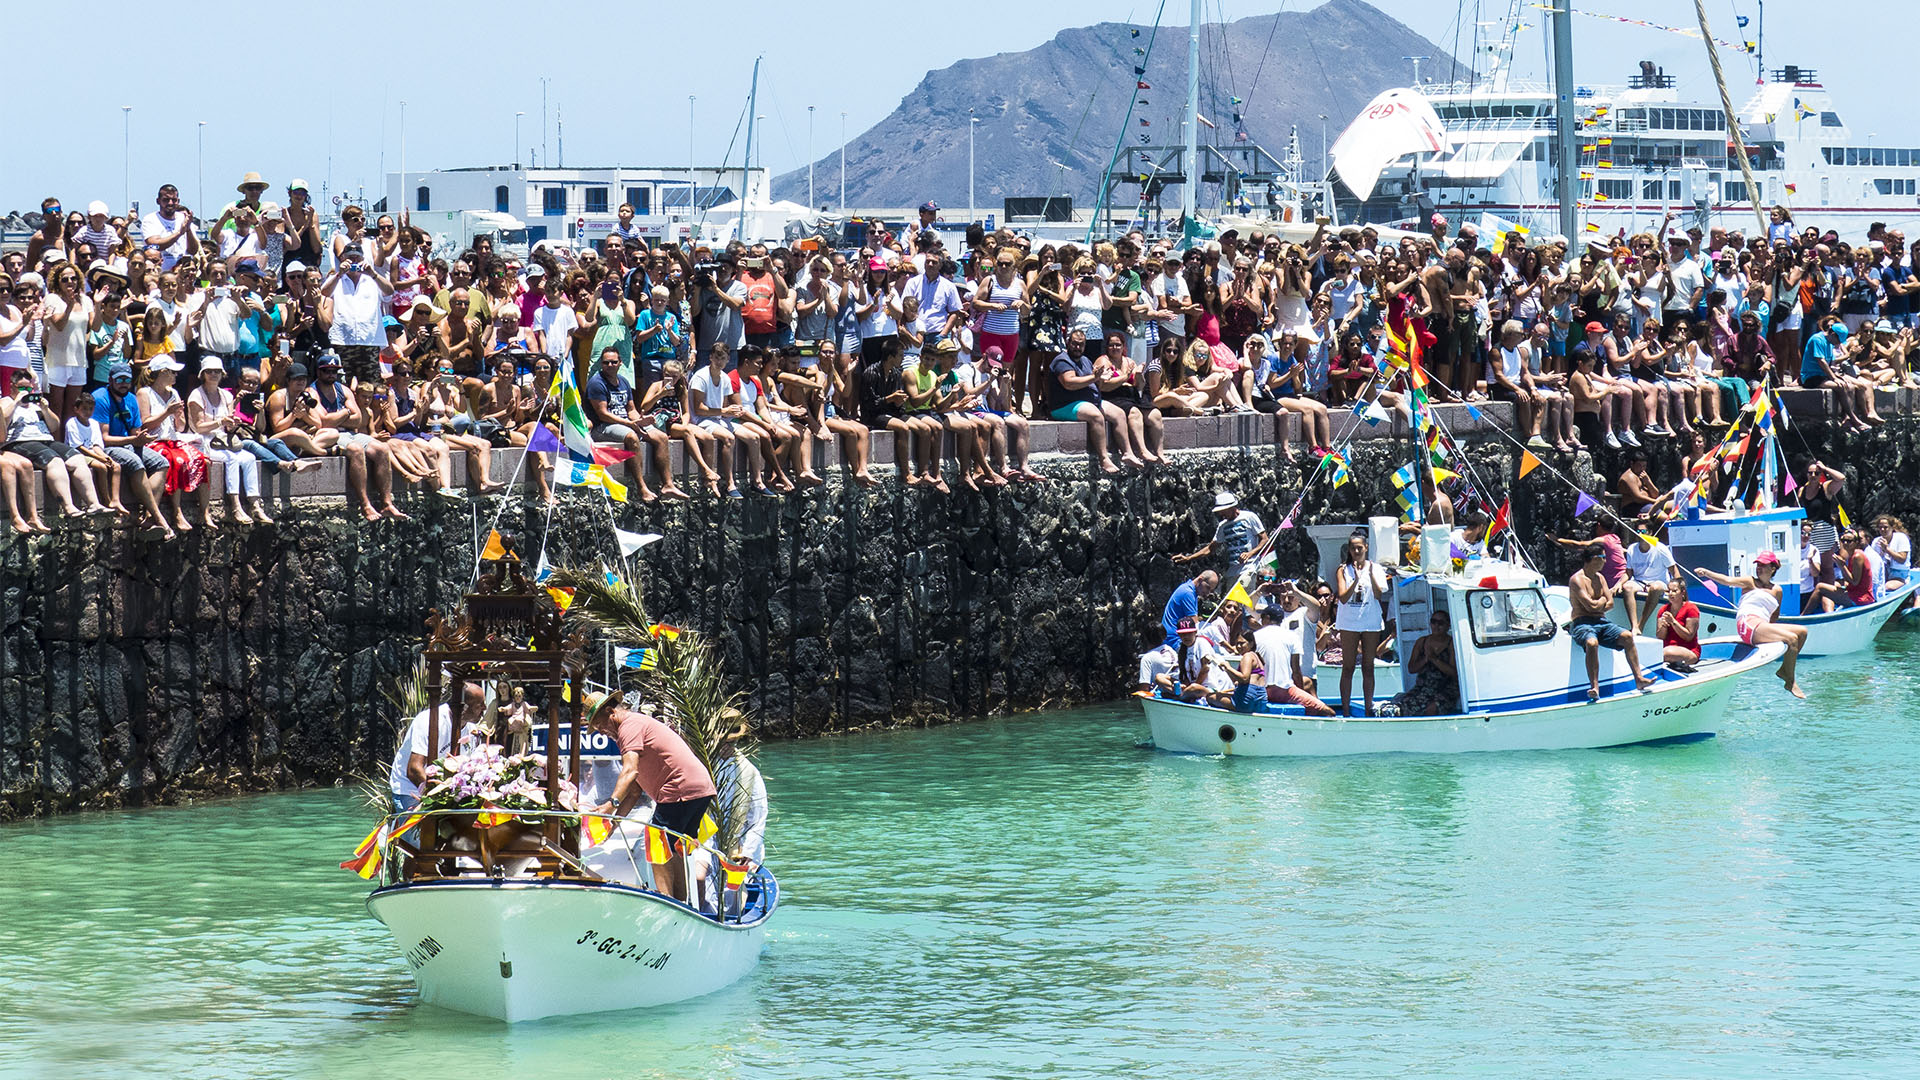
(1759, 602)
(1510, 364)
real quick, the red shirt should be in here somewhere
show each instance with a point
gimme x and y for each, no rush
(670, 772)
(1686, 610)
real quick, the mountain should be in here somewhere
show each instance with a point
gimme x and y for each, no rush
(1067, 99)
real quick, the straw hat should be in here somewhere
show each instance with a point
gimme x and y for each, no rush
(250, 180)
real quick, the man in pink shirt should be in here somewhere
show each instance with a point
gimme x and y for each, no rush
(657, 762)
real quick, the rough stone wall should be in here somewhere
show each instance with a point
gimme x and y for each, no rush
(134, 672)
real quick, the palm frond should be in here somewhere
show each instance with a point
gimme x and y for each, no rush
(607, 604)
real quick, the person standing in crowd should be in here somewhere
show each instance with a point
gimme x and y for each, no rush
(1360, 589)
(352, 307)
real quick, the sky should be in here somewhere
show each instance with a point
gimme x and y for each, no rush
(316, 91)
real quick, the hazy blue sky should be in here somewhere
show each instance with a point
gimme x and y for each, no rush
(271, 80)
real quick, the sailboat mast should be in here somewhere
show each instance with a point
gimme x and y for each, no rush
(746, 163)
(1190, 191)
(1733, 122)
(1564, 134)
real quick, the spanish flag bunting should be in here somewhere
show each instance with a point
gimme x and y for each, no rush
(659, 845)
(562, 598)
(495, 549)
(1588, 148)
(660, 629)
(596, 827)
(365, 865)
(1528, 463)
(1599, 196)
(1604, 164)
(1238, 595)
(1587, 174)
(1603, 142)
(1593, 226)
(1791, 188)
(491, 816)
(736, 872)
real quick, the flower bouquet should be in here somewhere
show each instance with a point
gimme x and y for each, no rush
(486, 778)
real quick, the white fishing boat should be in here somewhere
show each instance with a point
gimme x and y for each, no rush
(599, 938)
(1727, 544)
(508, 902)
(1522, 685)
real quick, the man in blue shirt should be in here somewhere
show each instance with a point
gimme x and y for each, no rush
(1816, 361)
(1182, 606)
(1896, 280)
(116, 408)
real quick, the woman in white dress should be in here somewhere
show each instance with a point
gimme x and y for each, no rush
(210, 418)
(1360, 592)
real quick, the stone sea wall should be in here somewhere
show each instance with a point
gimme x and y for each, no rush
(135, 672)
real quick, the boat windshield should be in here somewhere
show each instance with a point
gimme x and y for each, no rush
(1509, 616)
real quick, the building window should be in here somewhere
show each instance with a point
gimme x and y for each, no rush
(1830, 119)
(553, 201)
(637, 197)
(500, 199)
(596, 200)
(421, 201)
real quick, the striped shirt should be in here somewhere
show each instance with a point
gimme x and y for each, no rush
(1006, 322)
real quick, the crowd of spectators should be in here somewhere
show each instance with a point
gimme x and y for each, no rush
(299, 340)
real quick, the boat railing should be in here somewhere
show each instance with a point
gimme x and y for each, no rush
(455, 843)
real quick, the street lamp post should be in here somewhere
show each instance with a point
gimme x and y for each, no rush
(200, 164)
(843, 164)
(126, 157)
(1323, 146)
(809, 157)
(973, 123)
(403, 156)
(516, 138)
(690, 188)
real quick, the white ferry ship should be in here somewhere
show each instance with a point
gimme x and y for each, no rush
(1646, 150)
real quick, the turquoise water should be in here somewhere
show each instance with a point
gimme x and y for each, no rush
(1039, 896)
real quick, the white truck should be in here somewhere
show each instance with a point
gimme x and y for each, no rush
(454, 231)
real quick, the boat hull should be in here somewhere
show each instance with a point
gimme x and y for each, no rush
(520, 950)
(1673, 710)
(1848, 630)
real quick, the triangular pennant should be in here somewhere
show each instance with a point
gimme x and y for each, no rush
(495, 549)
(1584, 503)
(1528, 463)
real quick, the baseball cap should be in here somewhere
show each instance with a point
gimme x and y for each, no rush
(929, 207)
(164, 362)
(98, 207)
(327, 360)
(536, 270)
(119, 371)
(1595, 327)
(296, 184)
(1767, 558)
(296, 370)
(296, 267)
(1186, 625)
(876, 263)
(391, 323)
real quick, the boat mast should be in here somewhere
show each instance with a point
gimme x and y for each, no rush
(1564, 134)
(1190, 191)
(746, 163)
(1733, 122)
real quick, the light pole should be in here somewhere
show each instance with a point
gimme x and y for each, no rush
(1416, 68)
(200, 164)
(543, 118)
(843, 164)
(403, 156)
(973, 124)
(690, 187)
(126, 157)
(809, 158)
(1323, 146)
(516, 138)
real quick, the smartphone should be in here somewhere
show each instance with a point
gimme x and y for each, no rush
(220, 292)
(610, 290)
(286, 347)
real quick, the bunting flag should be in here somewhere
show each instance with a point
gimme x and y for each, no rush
(1841, 512)
(1403, 475)
(1528, 463)
(631, 542)
(562, 598)
(1501, 520)
(495, 550)
(580, 468)
(1287, 522)
(1711, 587)
(1342, 467)
(366, 864)
(1603, 142)
(1144, 122)
(1441, 476)
(1593, 226)
(1142, 86)
(1583, 504)
(1238, 595)
(1474, 412)
(1134, 31)
(637, 659)
(1791, 188)
(544, 440)
(1780, 407)
(662, 630)
(596, 827)
(1787, 486)
(659, 845)
(492, 816)
(543, 569)
(735, 872)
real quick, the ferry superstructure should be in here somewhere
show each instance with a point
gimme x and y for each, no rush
(1646, 149)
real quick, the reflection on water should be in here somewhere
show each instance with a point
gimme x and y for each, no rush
(1042, 895)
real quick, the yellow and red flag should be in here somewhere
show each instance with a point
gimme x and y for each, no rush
(597, 827)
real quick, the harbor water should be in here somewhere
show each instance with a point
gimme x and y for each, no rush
(1042, 896)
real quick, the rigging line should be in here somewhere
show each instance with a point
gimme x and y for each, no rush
(785, 132)
(507, 497)
(1473, 475)
(1126, 124)
(1255, 84)
(1459, 13)
(1224, 48)
(723, 169)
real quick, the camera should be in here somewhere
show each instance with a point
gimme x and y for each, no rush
(807, 348)
(754, 263)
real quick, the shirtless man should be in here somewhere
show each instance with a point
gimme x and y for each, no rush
(459, 334)
(291, 417)
(1591, 629)
(1452, 289)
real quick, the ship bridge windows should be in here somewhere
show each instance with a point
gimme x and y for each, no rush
(1884, 156)
(1894, 187)
(1830, 119)
(1687, 119)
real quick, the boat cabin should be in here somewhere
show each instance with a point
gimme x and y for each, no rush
(1728, 543)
